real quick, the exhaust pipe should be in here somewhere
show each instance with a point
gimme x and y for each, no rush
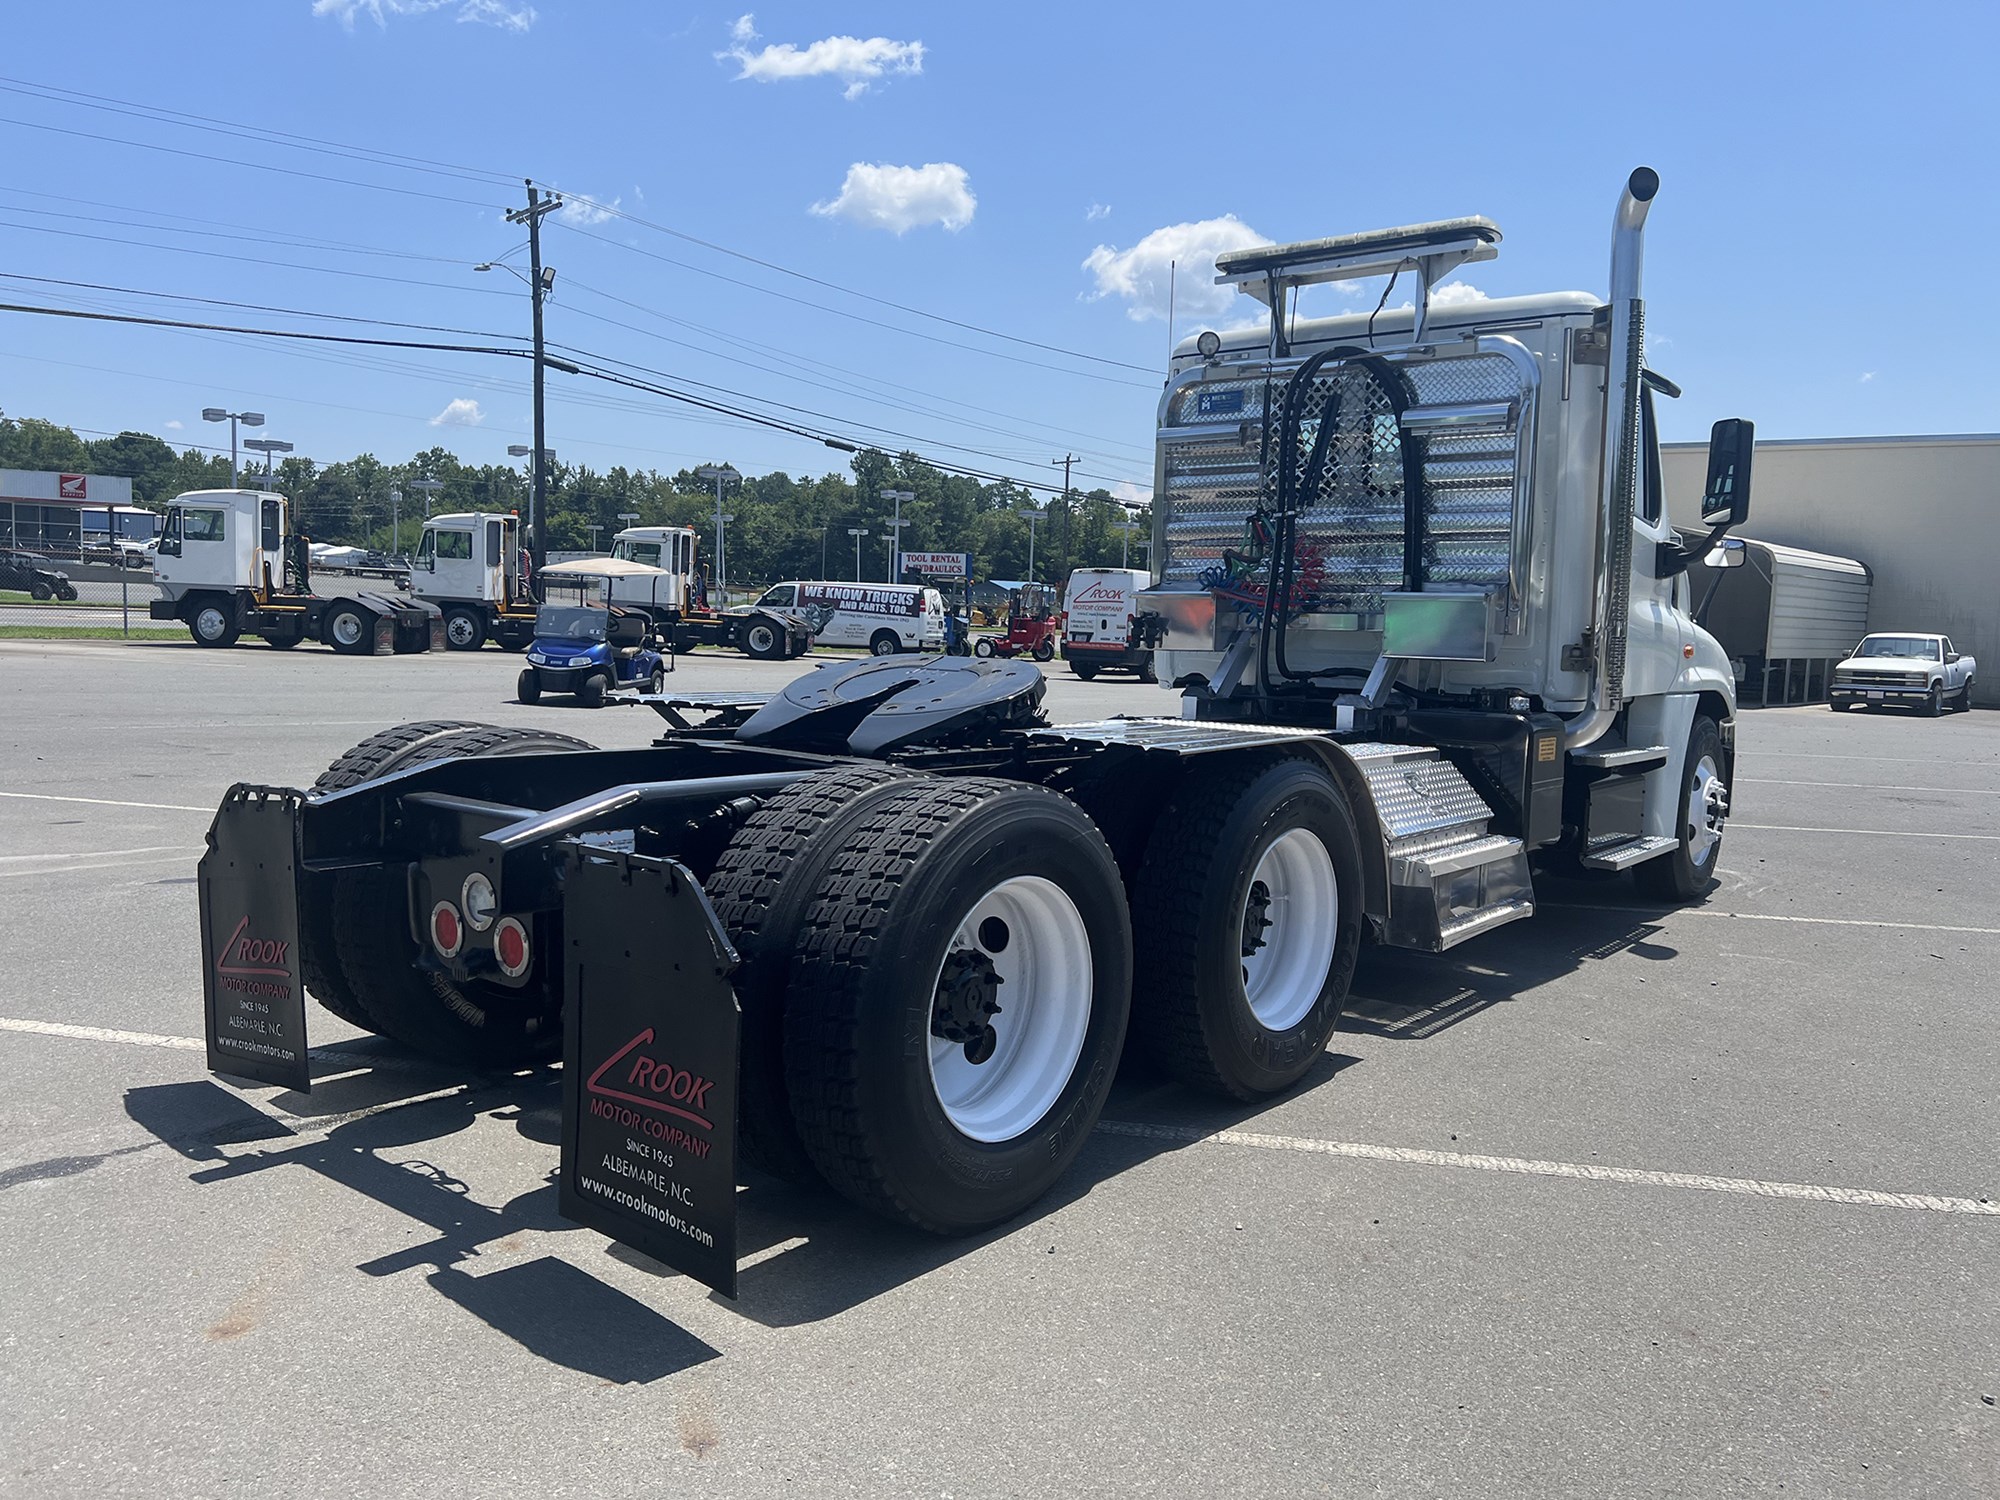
(1621, 459)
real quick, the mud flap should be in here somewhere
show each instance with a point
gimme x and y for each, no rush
(650, 1037)
(254, 1002)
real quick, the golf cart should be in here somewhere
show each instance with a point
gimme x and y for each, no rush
(588, 646)
(1031, 625)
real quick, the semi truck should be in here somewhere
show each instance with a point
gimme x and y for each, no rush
(470, 565)
(228, 567)
(681, 606)
(1432, 635)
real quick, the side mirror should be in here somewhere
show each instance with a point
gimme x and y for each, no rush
(1725, 500)
(1951, 658)
(1727, 553)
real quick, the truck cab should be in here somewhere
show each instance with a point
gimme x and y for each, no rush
(221, 539)
(469, 565)
(673, 550)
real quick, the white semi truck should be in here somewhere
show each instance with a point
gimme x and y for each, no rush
(227, 566)
(680, 601)
(470, 565)
(1432, 633)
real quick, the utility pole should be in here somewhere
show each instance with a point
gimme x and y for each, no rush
(1066, 460)
(531, 218)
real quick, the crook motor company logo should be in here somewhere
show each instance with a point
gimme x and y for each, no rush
(1099, 596)
(246, 955)
(659, 1092)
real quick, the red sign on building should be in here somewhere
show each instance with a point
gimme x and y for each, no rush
(72, 487)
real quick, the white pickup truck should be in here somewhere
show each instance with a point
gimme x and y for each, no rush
(1914, 671)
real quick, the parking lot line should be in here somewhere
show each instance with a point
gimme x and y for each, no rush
(1883, 833)
(1583, 1171)
(1915, 760)
(106, 802)
(1751, 916)
(104, 853)
(1870, 786)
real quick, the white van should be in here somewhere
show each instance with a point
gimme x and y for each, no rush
(884, 617)
(1102, 626)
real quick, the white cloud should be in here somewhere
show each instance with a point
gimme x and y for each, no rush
(1181, 253)
(1097, 211)
(855, 60)
(581, 213)
(1866, 376)
(1456, 294)
(900, 199)
(502, 13)
(461, 411)
(173, 426)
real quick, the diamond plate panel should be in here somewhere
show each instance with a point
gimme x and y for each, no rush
(1415, 798)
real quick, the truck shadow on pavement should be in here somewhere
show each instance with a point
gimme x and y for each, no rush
(806, 1255)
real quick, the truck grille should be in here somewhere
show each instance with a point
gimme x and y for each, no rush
(1860, 678)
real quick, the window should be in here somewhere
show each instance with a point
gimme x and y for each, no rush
(495, 552)
(1652, 489)
(454, 546)
(779, 597)
(639, 552)
(204, 525)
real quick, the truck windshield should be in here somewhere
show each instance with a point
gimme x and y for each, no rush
(638, 552)
(571, 622)
(1899, 645)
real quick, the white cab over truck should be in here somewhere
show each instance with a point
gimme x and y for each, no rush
(1924, 672)
(470, 566)
(680, 602)
(227, 567)
(1430, 627)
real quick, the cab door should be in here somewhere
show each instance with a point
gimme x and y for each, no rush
(1655, 629)
(493, 560)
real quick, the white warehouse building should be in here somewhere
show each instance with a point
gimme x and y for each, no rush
(1923, 513)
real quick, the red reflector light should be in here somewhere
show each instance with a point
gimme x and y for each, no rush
(510, 947)
(447, 932)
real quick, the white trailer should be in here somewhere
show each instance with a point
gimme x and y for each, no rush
(227, 567)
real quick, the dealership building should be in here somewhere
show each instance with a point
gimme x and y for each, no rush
(1922, 514)
(59, 514)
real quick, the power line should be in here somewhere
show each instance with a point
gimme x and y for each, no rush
(296, 312)
(615, 211)
(268, 333)
(234, 232)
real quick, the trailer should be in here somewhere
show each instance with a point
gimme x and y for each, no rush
(471, 566)
(227, 567)
(1432, 634)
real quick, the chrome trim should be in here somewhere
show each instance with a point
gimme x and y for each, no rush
(1205, 432)
(1461, 414)
(1528, 417)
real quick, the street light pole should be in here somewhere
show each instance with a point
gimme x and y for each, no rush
(896, 526)
(1032, 516)
(247, 418)
(857, 532)
(719, 473)
(429, 487)
(270, 448)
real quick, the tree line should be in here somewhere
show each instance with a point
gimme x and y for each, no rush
(783, 526)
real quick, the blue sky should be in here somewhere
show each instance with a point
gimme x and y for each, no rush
(1026, 169)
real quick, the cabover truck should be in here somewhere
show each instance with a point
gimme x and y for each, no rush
(227, 568)
(681, 606)
(1432, 634)
(469, 565)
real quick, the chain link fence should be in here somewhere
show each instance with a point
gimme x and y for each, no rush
(92, 594)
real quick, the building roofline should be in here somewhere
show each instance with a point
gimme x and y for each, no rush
(1864, 442)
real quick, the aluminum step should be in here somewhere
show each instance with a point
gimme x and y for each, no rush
(1484, 920)
(1444, 894)
(1621, 757)
(1625, 853)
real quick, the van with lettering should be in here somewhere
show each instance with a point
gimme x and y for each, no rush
(884, 617)
(1103, 628)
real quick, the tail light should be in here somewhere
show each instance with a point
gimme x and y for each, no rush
(511, 948)
(447, 931)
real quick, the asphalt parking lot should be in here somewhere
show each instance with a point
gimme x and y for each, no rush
(1619, 1201)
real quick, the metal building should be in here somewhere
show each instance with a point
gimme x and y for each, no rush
(1785, 617)
(1922, 512)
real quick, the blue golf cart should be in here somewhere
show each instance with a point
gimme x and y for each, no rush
(589, 648)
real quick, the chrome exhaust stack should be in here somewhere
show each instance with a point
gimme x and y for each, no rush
(1621, 459)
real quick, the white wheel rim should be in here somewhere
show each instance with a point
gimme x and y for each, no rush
(210, 623)
(1284, 978)
(1046, 978)
(460, 629)
(347, 627)
(761, 638)
(1707, 807)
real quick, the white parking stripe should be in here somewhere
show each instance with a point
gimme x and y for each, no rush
(106, 802)
(1631, 1176)
(102, 864)
(105, 853)
(1882, 833)
(1915, 760)
(354, 1059)
(1751, 916)
(1869, 786)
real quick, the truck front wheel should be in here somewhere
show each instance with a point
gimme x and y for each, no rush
(464, 630)
(957, 1002)
(1690, 869)
(1247, 914)
(211, 625)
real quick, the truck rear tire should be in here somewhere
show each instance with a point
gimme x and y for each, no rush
(1689, 870)
(1247, 912)
(211, 624)
(464, 629)
(348, 629)
(913, 1095)
(763, 640)
(761, 886)
(480, 1023)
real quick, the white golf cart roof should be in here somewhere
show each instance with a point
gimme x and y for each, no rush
(603, 567)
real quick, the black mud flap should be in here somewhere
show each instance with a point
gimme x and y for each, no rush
(254, 1001)
(650, 1034)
